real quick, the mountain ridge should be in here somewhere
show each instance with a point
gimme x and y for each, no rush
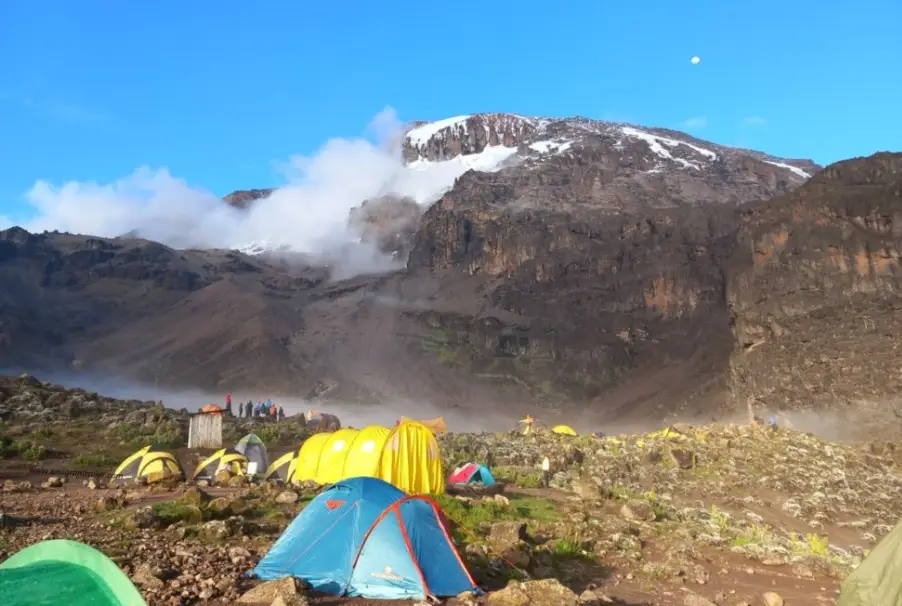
(523, 287)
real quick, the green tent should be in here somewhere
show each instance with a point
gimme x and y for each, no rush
(65, 572)
(878, 580)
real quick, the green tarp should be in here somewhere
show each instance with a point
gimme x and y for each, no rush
(878, 580)
(58, 572)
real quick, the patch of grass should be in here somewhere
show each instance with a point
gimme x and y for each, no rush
(720, 518)
(170, 512)
(95, 460)
(27, 449)
(282, 434)
(32, 451)
(536, 509)
(526, 477)
(755, 534)
(810, 544)
(166, 434)
(569, 548)
(661, 512)
(470, 517)
(471, 514)
(41, 433)
(624, 493)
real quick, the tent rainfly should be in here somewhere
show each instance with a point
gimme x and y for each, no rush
(65, 572)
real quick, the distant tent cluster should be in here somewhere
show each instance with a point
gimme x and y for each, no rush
(373, 533)
(407, 456)
(151, 464)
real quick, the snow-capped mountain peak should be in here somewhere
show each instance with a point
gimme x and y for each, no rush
(530, 138)
(590, 162)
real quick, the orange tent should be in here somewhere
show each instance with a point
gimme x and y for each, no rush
(436, 425)
(211, 408)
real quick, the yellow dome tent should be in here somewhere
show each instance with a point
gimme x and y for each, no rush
(149, 464)
(564, 430)
(333, 456)
(366, 452)
(280, 469)
(226, 459)
(308, 458)
(407, 456)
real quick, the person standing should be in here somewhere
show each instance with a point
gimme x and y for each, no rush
(546, 472)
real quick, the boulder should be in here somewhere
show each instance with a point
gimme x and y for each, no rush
(266, 593)
(547, 592)
(287, 497)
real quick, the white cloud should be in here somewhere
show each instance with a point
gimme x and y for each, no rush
(754, 121)
(697, 122)
(309, 213)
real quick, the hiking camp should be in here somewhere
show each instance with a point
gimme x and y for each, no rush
(583, 303)
(410, 509)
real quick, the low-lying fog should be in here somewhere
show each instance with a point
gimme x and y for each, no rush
(479, 417)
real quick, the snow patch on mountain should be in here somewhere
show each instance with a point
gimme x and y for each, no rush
(794, 169)
(421, 134)
(657, 143)
(552, 146)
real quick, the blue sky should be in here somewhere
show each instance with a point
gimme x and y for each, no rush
(217, 92)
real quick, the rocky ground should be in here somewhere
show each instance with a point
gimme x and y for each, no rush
(720, 514)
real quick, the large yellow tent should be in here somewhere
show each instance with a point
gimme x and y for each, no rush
(407, 456)
(412, 460)
(334, 455)
(564, 430)
(149, 464)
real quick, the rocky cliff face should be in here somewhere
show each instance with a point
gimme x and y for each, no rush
(637, 270)
(603, 245)
(814, 283)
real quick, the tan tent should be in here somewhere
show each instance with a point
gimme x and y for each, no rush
(436, 425)
(879, 578)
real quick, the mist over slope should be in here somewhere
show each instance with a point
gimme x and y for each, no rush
(308, 213)
(623, 270)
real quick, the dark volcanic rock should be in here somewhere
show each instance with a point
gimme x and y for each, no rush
(389, 222)
(814, 289)
(244, 198)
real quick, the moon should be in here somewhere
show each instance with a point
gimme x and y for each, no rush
(695, 60)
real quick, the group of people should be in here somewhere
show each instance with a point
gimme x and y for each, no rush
(250, 409)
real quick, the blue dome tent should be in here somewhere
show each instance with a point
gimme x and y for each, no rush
(362, 537)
